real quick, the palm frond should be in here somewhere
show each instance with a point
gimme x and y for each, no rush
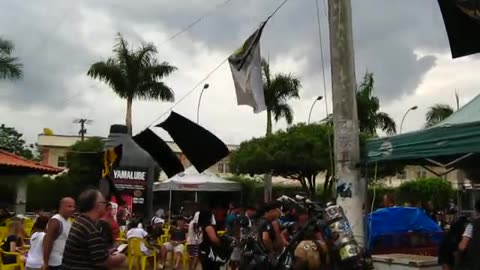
(438, 113)
(283, 110)
(10, 68)
(155, 90)
(111, 73)
(145, 55)
(286, 86)
(158, 71)
(6, 46)
(386, 123)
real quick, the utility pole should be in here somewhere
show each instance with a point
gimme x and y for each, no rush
(351, 189)
(82, 123)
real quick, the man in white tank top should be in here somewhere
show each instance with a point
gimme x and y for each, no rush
(56, 236)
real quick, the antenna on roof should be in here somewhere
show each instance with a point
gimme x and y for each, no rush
(82, 122)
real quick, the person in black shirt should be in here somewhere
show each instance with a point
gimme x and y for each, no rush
(268, 236)
(13, 243)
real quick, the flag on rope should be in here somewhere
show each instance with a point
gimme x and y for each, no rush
(462, 22)
(110, 158)
(202, 148)
(246, 67)
(159, 151)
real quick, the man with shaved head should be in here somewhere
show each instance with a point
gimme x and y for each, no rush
(57, 234)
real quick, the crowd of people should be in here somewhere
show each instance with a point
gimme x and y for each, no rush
(91, 241)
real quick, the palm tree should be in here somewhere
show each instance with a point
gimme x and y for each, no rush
(438, 113)
(369, 118)
(278, 90)
(134, 74)
(10, 68)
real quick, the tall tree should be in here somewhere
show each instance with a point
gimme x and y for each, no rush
(12, 141)
(279, 89)
(10, 67)
(368, 106)
(134, 74)
(369, 117)
(438, 113)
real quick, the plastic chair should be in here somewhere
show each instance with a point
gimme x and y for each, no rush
(135, 254)
(3, 233)
(11, 266)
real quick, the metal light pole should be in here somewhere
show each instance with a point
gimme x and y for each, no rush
(311, 109)
(205, 86)
(405, 115)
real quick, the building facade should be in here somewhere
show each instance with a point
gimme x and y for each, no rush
(54, 149)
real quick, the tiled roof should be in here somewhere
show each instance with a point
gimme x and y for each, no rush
(12, 160)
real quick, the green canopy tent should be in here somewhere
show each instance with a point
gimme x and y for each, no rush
(451, 144)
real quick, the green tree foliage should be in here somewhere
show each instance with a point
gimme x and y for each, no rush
(300, 153)
(12, 141)
(279, 89)
(134, 74)
(369, 117)
(10, 67)
(422, 190)
(438, 113)
(84, 162)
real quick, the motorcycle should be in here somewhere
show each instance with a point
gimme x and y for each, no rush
(345, 253)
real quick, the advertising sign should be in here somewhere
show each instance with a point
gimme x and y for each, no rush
(130, 178)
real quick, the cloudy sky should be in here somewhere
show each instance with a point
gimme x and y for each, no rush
(403, 43)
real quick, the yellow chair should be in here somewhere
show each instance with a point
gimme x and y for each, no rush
(135, 254)
(3, 233)
(12, 266)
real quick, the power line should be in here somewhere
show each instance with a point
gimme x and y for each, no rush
(192, 24)
(189, 92)
(332, 165)
(210, 73)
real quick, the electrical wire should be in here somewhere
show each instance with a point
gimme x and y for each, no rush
(192, 24)
(325, 94)
(189, 92)
(209, 74)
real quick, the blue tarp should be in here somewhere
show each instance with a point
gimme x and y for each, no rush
(397, 220)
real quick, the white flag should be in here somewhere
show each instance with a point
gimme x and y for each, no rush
(246, 67)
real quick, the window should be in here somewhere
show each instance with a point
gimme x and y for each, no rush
(62, 161)
(223, 167)
(421, 174)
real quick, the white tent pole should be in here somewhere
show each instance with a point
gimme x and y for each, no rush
(196, 196)
(170, 206)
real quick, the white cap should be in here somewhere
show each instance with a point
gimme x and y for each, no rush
(158, 220)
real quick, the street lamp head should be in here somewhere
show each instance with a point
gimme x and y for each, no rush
(205, 86)
(414, 108)
(319, 98)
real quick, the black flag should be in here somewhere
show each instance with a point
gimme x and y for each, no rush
(202, 148)
(159, 151)
(111, 158)
(462, 21)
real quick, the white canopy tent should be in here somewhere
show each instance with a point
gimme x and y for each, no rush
(192, 180)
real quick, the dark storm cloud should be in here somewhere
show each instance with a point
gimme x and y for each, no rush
(386, 33)
(49, 41)
(52, 56)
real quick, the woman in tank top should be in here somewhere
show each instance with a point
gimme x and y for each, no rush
(35, 254)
